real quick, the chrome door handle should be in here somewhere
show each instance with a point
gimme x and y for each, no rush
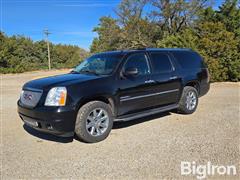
(149, 81)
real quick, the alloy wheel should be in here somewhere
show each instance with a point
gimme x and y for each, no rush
(191, 100)
(97, 122)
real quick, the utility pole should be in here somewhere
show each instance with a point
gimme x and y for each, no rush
(46, 32)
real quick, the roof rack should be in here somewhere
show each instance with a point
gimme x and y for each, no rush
(141, 49)
(163, 49)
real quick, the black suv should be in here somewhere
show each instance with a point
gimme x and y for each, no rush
(114, 86)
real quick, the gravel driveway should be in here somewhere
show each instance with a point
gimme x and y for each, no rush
(148, 148)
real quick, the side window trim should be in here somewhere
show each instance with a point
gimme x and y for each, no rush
(174, 61)
(148, 63)
(146, 58)
(170, 59)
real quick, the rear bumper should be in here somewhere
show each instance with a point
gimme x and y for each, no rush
(54, 120)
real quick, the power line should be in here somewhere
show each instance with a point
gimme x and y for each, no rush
(46, 32)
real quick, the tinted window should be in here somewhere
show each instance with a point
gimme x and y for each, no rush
(161, 62)
(138, 61)
(188, 60)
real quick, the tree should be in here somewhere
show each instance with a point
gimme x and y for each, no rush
(221, 56)
(185, 39)
(3, 51)
(207, 14)
(130, 10)
(108, 35)
(173, 16)
(20, 54)
(137, 32)
(138, 36)
(130, 30)
(221, 41)
(229, 14)
(65, 56)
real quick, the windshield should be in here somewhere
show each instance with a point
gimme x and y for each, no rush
(100, 64)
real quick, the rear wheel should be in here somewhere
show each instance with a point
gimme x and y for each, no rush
(94, 122)
(189, 100)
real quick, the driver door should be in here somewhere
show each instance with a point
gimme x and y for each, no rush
(133, 90)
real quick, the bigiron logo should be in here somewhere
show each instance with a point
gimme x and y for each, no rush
(202, 171)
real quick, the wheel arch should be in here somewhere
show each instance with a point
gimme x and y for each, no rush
(195, 84)
(106, 99)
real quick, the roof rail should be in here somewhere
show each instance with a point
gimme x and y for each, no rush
(152, 49)
(141, 48)
(168, 49)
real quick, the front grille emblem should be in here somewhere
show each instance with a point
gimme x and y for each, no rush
(28, 97)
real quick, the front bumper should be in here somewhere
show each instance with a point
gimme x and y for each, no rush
(54, 120)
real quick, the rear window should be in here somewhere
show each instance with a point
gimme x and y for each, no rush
(189, 59)
(161, 62)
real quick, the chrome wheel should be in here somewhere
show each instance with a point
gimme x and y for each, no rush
(97, 122)
(191, 100)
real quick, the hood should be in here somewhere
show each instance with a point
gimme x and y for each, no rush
(59, 80)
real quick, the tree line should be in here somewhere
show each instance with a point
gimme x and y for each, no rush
(194, 24)
(20, 54)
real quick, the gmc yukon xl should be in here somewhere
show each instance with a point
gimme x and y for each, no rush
(114, 86)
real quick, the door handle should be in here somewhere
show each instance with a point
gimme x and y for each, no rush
(173, 77)
(149, 81)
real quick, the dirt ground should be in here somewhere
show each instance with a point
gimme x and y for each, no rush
(148, 148)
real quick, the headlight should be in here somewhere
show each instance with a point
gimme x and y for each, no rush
(56, 97)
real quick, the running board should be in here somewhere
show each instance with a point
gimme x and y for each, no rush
(146, 113)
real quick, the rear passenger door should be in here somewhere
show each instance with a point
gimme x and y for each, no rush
(167, 83)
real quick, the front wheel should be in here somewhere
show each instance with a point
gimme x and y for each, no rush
(94, 122)
(189, 100)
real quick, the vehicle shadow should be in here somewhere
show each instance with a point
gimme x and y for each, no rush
(126, 124)
(46, 136)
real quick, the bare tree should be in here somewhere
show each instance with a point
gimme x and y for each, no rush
(129, 10)
(174, 15)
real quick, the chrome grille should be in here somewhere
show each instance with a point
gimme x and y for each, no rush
(30, 98)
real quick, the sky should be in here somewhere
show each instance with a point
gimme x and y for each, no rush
(68, 21)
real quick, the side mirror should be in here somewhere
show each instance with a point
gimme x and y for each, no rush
(131, 72)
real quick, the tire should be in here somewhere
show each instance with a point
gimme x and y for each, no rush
(186, 100)
(91, 127)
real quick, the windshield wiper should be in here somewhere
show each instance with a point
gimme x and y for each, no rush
(74, 72)
(89, 71)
